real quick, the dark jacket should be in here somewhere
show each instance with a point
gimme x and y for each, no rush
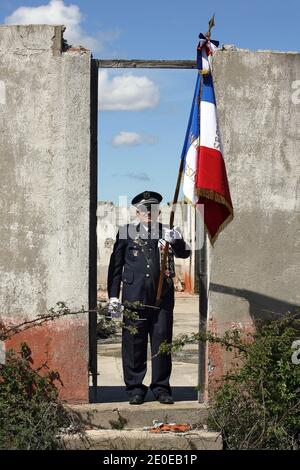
(135, 262)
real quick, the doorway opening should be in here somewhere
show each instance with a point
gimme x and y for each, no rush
(105, 353)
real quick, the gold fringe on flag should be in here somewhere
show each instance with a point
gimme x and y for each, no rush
(210, 194)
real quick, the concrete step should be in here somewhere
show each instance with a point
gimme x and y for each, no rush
(99, 415)
(138, 439)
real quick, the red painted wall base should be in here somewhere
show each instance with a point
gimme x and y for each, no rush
(63, 345)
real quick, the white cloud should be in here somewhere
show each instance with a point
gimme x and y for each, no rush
(131, 139)
(126, 92)
(56, 12)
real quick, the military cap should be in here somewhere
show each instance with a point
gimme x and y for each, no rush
(146, 198)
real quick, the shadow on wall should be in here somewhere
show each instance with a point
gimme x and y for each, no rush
(261, 306)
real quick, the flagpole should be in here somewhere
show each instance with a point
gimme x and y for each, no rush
(171, 223)
(203, 278)
(203, 298)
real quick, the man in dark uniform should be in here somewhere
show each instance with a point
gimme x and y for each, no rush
(136, 261)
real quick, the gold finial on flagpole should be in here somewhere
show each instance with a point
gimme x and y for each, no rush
(211, 24)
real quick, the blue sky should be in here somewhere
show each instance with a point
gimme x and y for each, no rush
(142, 126)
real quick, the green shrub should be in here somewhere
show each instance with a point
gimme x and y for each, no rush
(106, 328)
(31, 414)
(258, 404)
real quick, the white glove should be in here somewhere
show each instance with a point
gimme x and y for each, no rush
(115, 307)
(171, 235)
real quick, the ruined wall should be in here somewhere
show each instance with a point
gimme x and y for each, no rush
(255, 262)
(48, 184)
(45, 194)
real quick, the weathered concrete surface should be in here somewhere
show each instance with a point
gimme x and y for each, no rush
(138, 439)
(255, 262)
(45, 194)
(99, 415)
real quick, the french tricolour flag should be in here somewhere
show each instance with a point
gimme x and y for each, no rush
(205, 179)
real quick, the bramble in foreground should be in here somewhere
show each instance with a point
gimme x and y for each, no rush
(257, 404)
(31, 414)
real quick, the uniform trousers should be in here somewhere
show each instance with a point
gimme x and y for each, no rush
(158, 325)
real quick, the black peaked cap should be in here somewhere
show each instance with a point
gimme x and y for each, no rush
(146, 198)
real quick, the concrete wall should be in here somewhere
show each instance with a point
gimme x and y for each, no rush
(110, 217)
(255, 262)
(45, 194)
